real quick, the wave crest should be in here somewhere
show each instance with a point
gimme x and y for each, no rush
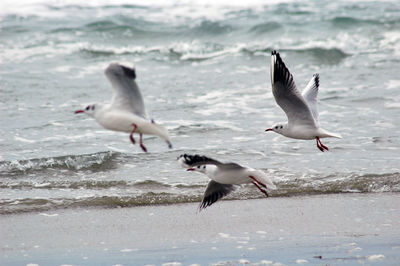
(95, 162)
(151, 192)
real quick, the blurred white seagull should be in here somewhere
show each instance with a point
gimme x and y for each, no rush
(224, 177)
(300, 108)
(126, 112)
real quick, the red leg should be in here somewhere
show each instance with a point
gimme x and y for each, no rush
(257, 181)
(260, 188)
(321, 146)
(141, 144)
(133, 131)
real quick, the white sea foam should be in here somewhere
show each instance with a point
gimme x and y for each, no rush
(375, 257)
(392, 84)
(17, 138)
(126, 250)
(223, 235)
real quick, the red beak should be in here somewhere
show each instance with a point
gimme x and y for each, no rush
(79, 111)
(190, 169)
(268, 129)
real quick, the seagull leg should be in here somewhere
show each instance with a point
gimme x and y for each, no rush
(133, 131)
(321, 146)
(260, 188)
(258, 182)
(141, 144)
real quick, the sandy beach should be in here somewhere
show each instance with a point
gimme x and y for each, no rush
(332, 229)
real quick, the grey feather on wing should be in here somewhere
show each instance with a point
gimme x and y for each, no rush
(310, 94)
(286, 95)
(214, 192)
(127, 95)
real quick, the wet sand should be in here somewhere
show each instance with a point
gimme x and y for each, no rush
(319, 230)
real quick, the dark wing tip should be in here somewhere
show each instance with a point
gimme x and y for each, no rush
(196, 159)
(274, 52)
(281, 72)
(130, 72)
(316, 78)
(222, 191)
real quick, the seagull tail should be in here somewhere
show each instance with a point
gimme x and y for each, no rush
(327, 134)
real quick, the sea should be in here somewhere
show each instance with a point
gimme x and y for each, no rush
(204, 71)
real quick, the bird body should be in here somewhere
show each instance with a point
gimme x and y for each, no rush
(224, 177)
(300, 108)
(304, 132)
(123, 121)
(126, 112)
(235, 174)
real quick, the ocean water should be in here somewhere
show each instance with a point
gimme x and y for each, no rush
(203, 68)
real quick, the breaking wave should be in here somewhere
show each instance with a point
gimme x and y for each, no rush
(95, 162)
(195, 51)
(150, 192)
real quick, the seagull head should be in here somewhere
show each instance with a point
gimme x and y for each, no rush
(89, 110)
(199, 168)
(278, 128)
(207, 169)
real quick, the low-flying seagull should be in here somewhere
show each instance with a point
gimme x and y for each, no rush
(126, 112)
(224, 177)
(300, 108)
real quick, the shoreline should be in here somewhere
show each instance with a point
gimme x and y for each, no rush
(320, 229)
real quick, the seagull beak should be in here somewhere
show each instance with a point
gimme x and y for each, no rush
(79, 111)
(190, 169)
(268, 129)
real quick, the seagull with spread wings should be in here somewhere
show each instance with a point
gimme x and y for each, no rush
(300, 108)
(225, 177)
(126, 112)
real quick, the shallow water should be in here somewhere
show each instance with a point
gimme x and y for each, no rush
(203, 69)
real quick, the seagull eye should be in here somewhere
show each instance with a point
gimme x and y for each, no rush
(281, 126)
(204, 167)
(276, 127)
(87, 108)
(198, 166)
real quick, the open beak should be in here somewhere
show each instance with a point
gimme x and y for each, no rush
(268, 129)
(79, 111)
(190, 169)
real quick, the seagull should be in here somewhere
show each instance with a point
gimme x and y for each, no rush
(224, 177)
(300, 108)
(126, 112)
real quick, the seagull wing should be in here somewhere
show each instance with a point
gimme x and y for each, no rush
(187, 160)
(126, 95)
(310, 94)
(287, 96)
(214, 192)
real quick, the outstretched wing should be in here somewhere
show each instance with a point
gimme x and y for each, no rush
(187, 160)
(126, 95)
(287, 96)
(214, 192)
(310, 94)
